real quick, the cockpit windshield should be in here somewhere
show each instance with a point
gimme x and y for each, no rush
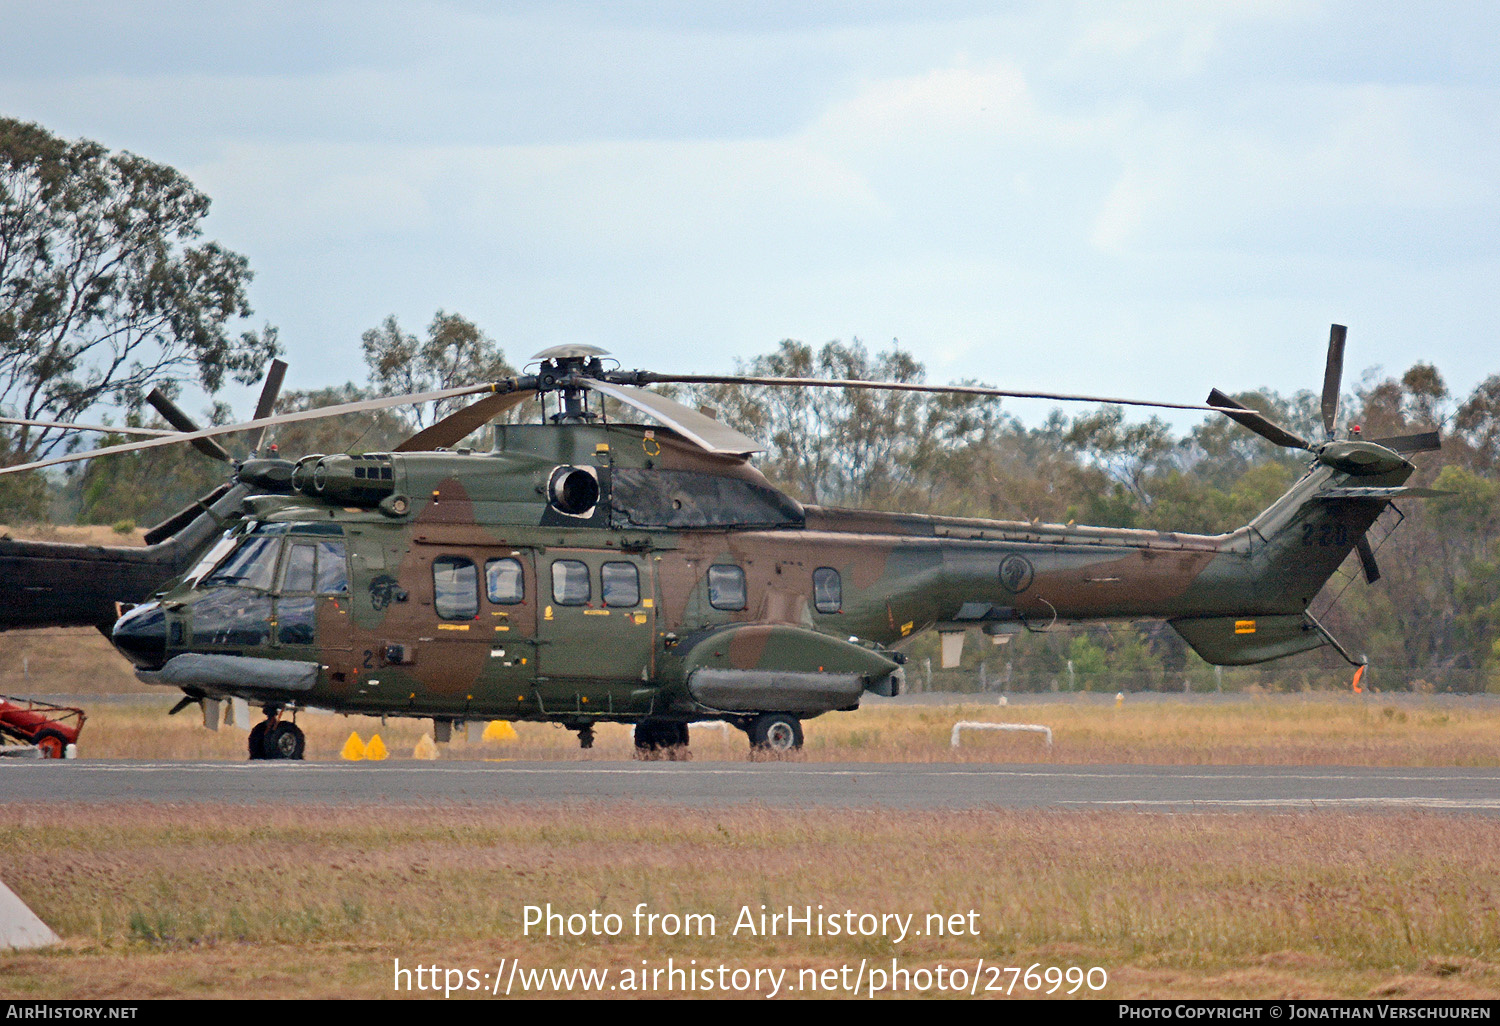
(221, 548)
(253, 565)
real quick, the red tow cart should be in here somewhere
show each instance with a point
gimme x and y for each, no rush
(51, 728)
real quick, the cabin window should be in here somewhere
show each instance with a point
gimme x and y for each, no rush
(726, 587)
(828, 590)
(333, 571)
(455, 588)
(570, 583)
(505, 581)
(253, 565)
(620, 583)
(298, 568)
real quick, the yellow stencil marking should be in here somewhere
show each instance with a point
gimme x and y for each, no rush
(1244, 626)
(906, 628)
(453, 626)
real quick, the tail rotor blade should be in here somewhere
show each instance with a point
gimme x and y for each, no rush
(1367, 559)
(173, 415)
(269, 392)
(1333, 377)
(1267, 429)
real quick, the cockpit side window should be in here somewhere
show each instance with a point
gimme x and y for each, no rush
(252, 565)
(297, 568)
(333, 571)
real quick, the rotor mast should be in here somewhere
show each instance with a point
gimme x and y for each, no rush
(562, 370)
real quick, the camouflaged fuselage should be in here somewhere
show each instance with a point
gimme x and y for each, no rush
(668, 582)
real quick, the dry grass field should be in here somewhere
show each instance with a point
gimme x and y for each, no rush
(1281, 730)
(236, 902)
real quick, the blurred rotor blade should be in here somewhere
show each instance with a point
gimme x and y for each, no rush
(506, 385)
(705, 431)
(1367, 559)
(455, 427)
(1333, 377)
(174, 415)
(267, 404)
(101, 428)
(637, 377)
(1425, 441)
(1267, 429)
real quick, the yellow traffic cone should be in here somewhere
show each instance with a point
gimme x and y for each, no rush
(354, 748)
(375, 750)
(499, 730)
(425, 749)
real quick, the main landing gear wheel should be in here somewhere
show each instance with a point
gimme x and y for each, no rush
(776, 732)
(661, 736)
(284, 741)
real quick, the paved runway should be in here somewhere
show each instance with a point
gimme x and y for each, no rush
(839, 785)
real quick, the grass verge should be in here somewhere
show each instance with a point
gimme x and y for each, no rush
(232, 902)
(1268, 730)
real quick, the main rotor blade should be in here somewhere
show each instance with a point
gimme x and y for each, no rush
(1333, 377)
(1424, 441)
(174, 415)
(705, 431)
(267, 404)
(1367, 559)
(898, 386)
(1267, 429)
(101, 428)
(507, 386)
(456, 427)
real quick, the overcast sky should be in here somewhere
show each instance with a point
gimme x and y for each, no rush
(1135, 198)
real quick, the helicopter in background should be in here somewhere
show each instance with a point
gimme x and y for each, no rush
(62, 584)
(584, 571)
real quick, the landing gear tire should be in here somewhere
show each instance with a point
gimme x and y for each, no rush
(258, 741)
(284, 741)
(776, 733)
(52, 744)
(661, 737)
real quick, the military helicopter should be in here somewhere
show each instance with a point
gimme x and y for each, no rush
(60, 584)
(585, 571)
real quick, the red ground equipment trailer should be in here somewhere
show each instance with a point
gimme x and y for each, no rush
(50, 727)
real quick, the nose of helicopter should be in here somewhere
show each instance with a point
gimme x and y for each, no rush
(141, 636)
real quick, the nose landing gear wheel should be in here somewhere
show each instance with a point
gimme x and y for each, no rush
(284, 741)
(776, 732)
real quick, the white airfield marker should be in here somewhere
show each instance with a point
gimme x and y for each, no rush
(19, 926)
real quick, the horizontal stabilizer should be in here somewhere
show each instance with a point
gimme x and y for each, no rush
(1241, 640)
